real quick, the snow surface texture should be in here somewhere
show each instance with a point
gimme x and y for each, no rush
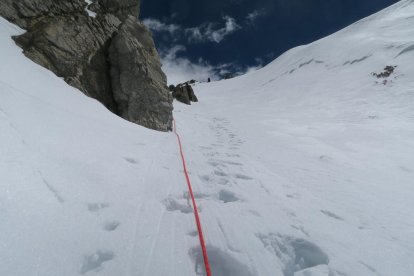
(303, 168)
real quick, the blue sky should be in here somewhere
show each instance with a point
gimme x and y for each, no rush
(209, 38)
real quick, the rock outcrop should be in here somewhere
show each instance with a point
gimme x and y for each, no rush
(135, 67)
(27, 13)
(184, 93)
(110, 57)
(121, 8)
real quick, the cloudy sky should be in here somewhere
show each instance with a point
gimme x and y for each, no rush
(198, 39)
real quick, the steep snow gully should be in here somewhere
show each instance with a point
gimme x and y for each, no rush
(194, 204)
(302, 168)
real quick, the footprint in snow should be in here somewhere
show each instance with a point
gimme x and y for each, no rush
(405, 169)
(325, 158)
(293, 196)
(214, 163)
(211, 154)
(95, 261)
(223, 181)
(233, 155)
(173, 205)
(220, 173)
(255, 213)
(193, 233)
(111, 226)
(131, 160)
(233, 163)
(227, 196)
(96, 207)
(331, 215)
(222, 263)
(218, 145)
(296, 254)
(301, 229)
(205, 178)
(243, 177)
(197, 195)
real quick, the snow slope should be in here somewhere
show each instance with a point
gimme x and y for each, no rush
(305, 167)
(312, 148)
(81, 190)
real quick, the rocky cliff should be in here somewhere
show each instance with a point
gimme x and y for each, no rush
(99, 47)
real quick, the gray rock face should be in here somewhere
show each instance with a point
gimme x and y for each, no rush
(110, 57)
(75, 49)
(26, 13)
(121, 8)
(136, 68)
(184, 93)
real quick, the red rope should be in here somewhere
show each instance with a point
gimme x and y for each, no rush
(197, 217)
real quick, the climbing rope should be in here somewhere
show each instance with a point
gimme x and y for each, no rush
(196, 215)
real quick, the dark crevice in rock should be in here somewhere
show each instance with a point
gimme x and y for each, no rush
(98, 78)
(108, 77)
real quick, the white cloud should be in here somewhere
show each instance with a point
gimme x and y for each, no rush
(231, 26)
(253, 16)
(179, 69)
(158, 26)
(194, 34)
(207, 32)
(252, 69)
(210, 32)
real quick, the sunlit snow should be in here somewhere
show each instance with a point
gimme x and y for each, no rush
(305, 167)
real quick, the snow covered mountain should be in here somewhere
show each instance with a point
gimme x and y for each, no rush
(305, 167)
